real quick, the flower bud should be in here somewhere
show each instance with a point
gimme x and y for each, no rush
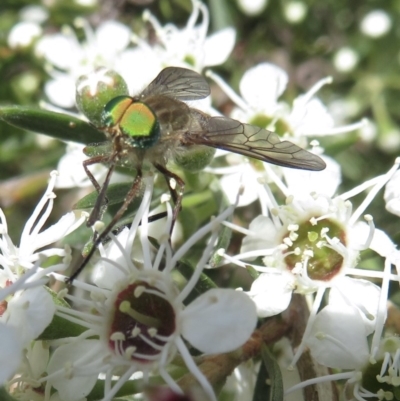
(95, 90)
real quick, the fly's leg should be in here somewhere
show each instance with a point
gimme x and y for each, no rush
(176, 193)
(89, 162)
(150, 219)
(103, 235)
(101, 204)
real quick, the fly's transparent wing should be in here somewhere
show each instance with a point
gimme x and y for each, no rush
(251, 141)
(178, 83)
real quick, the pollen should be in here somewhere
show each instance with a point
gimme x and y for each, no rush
(139, 291)
(135, 332)
(117, 336)
(308, 253)
(313, 221)
(287, 241)
(152, 332)
(172, 183)
(129, 352)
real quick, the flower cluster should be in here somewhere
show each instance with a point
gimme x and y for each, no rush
(206, 274)
(27, 307)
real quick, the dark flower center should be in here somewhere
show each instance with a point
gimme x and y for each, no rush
(143, 320)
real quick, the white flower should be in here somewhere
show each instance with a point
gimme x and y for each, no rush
(68, 59)
(392, 194)
(26, 306)
(10, 351)
(261, 87)
(295, 11)
(15, 260)
(346, 59)
(190, 47)
(252, 7)
(25, 385)
(23, 34)
(337, 338)
(376, 23)
(368, 379)
(312, 243)
(71, 171)
(140, 317)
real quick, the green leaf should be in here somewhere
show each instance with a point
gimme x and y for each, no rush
(269, 385)
(116, 194)
(224, 239)
(60, 327)
(252, 271)
(203, 284)
(56, 125)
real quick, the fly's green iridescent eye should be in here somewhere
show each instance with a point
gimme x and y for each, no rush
(134, 119)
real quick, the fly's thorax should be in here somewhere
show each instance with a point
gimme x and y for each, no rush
(136, 121)
(173, 115)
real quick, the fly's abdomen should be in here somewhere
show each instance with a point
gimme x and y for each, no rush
(135, 120)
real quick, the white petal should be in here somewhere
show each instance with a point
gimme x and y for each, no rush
(138, 67)
(59, 50)
(271, 293)
(338, 339)
(38, 355)
(30, 311)
(265, 235)
(105, 275)
(246, 181)
(381, 242)
(310, 118)
(23, 33)
(301, 182)
(112, 37)
(227, 316)
(262, 85)
(362, 294)
(74, 382)
(218, 46)
(10, 352)
(392, 194)
(68, 223)
(34, 13)
(61, 91)
(252, 7)
(71, 173)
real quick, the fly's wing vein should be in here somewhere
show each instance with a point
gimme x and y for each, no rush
(248, 140)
